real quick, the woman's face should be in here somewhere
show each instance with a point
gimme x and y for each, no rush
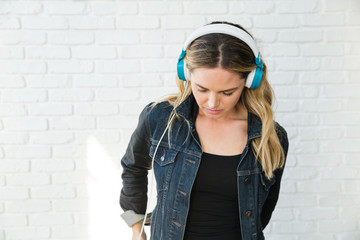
(216, 91)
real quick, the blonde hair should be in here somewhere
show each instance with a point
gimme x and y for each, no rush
(228, 52)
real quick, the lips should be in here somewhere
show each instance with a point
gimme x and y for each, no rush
(212, 111)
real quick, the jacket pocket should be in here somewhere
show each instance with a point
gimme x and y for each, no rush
(267, 183)
(164, 156)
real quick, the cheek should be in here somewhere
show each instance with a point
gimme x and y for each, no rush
(232, 101)
(200, 98)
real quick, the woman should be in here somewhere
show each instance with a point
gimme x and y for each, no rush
(217, 153)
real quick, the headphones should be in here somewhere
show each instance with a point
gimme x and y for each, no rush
(254, 78)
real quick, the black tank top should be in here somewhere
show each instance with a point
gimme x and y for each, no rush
(214, 209)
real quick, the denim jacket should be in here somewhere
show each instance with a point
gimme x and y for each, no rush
(175, 166)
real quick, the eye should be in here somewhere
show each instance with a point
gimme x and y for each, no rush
(228, 93)
(201, 90)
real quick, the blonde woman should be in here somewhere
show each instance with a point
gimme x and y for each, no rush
(216, 151)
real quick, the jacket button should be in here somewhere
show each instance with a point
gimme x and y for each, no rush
(248, 213)
(162, 158)
(247, 180)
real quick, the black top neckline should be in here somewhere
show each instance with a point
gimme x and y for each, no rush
(221, 156)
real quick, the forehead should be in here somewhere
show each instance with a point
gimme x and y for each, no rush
(216, 78)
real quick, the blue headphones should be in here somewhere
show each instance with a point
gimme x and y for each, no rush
(254, 78)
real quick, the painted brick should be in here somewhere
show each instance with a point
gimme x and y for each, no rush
(160, 8)
(122, 94)
(320, 50)
(324, 78)
(51, 138)
(69, 178)
(28, 206)
(160, 36)
(318, 106)
(201, 7)
(307, 6)
(22, 37)
(72, 123)
(70, 37)
(44, 23)
(276, 22)
(27, 151)
(71, 95)
(342, 35)
(249, 7)
(50, 109)
(24, 95)
(28, 124)
(22, 67)
(298, 64)
(52, 192)
(118, 66)
(294, 227)
(9, 22)
(91, 23)
(71, 205)
(21, 7)
(50, 219)
(48, 81)
(47, 52)
(14, 193)
(14, 166)
(183, 22)
(27, 233)
(96, 109)
(72, 66)
(95, 81)
(12, 109)
(52, 165)
(65, 8)
(144, 51)
(301, 36)
(117, 38)
(137, 22)
(114, 8)
(94, 52)
(11, 53)
(27, 179)
(69, 231)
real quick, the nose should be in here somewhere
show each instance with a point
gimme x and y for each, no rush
(213, 101)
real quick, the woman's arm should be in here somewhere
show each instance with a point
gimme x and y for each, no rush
(136, 163)
(274, 191)
(136, 229)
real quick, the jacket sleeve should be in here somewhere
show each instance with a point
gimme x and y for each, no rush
(274, 191)
(135, 164)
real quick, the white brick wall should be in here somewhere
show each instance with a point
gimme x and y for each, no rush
(75, 74)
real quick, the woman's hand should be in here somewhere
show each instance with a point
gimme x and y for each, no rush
(136, 229)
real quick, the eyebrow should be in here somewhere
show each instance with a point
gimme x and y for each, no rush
(227, 90)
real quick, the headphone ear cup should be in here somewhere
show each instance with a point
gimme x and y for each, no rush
(257, 77)
(250, 79)
(186, 73)
(254, 78)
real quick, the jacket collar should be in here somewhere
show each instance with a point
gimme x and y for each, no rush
(188, 109)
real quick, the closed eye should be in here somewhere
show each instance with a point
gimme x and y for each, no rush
(228, 93)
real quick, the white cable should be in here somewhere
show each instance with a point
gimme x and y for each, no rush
(153, 158)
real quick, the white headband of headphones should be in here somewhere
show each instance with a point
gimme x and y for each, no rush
(225, 29)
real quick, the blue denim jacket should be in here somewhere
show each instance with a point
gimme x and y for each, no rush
(175, 167)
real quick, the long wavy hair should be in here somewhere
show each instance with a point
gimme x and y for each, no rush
(228, 52)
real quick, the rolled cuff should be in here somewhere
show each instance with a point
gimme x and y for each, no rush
(130, 217)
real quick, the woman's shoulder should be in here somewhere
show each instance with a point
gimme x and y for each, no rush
(158, 110)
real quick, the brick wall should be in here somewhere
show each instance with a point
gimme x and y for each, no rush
(75, 74)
